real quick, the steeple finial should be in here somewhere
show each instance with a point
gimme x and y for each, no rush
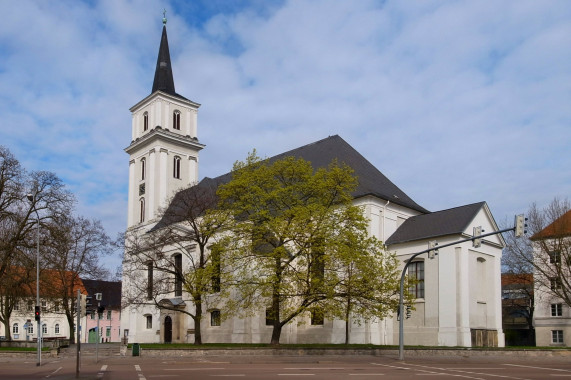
(164, 16)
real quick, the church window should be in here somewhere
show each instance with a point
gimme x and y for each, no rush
(178, 275)
(176, 167)
(149, 319)
(215, 257)
(176, 120)
(317, 317)
(149, 280)
(269, 317)
(142, 210)
(215, 318)
(145, 121)
(143, 168)
(416, 272)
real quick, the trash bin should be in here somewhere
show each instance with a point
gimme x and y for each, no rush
(136, 349)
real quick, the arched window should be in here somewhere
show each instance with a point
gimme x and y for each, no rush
(15, 328)
(145, 121)
(176, 167)
(143, 168)
(215, 318)
(176, 120)
(416, 271)
(56, 329)
(149, 320)
(150, 280)
(178, 275)
(44, 329)
(142, 210)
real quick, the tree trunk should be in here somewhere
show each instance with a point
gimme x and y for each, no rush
(347, 314)
(7, 331)
(276, 333)
(197, 321)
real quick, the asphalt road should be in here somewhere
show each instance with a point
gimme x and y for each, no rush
(315, 368)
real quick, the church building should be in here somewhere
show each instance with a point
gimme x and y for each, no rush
(458, 294)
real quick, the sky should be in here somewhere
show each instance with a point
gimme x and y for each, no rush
(455, 102)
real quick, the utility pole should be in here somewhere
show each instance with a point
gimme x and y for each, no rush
(78, 333)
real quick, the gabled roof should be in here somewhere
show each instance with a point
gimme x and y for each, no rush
(110, 291)
(163, 72)
(321, 153)
(561, 227)
(440, 223)
(371, 181)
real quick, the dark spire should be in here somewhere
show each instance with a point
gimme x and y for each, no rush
(163, 73)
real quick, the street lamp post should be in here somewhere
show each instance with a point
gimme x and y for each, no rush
(31, 198)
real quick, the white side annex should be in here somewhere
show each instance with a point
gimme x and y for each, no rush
(460, 300)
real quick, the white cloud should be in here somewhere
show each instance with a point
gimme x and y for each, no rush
(456, 102)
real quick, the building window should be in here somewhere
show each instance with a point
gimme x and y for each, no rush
(145, 121)
(317, 317)
(92, 314)
(556, 310)
(143, 168)
(215, 318)
(149, 322)
(56, 307)
(217, 270)
(108, 314)
(16, 306)
(269, 317)
(44, 305)
(56, 329)
(555, 257)
(176, 167)
(556, 336)
(416, 271)
(44, 329)
(108, 332)
(178, 275)
(142, 210)
(555, 283)
(150, 281)
(176, 120)
(15, 328)
(30, 328)
(30, 305)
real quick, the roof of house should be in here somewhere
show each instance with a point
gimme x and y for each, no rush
(163, 73)
(561, 227)
(440, 223)
(53, 283)
(321, 153)
(110, 291)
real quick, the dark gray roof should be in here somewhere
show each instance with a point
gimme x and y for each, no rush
(439, 223)
(163, 73)
(110, 291)
(321, 153)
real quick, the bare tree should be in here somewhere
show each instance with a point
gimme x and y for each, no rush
(178, 254)
(547, 251)
(74, 250)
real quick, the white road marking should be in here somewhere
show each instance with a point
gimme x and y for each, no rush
(101, 372)
(54, 372)
(192, 369)
(296, 374)
(137, 367)
(366, 374)
(237, 375)
(545, 368)
(313, 368)
(466, 372)
(390, 366)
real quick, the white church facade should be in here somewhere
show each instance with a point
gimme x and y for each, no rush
(458, 296)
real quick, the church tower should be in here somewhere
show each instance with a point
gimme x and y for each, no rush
(164, 148)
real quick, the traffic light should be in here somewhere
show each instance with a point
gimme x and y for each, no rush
(433, 250)
(408, 311)
(37, 313)
(520, 225)
(476, 243)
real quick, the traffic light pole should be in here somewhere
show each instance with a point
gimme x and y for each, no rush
(403, 274)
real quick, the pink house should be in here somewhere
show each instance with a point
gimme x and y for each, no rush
(105, 296)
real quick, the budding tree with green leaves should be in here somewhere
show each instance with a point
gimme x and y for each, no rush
(299, 245)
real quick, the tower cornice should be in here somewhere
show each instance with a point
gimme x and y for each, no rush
(159, 133)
